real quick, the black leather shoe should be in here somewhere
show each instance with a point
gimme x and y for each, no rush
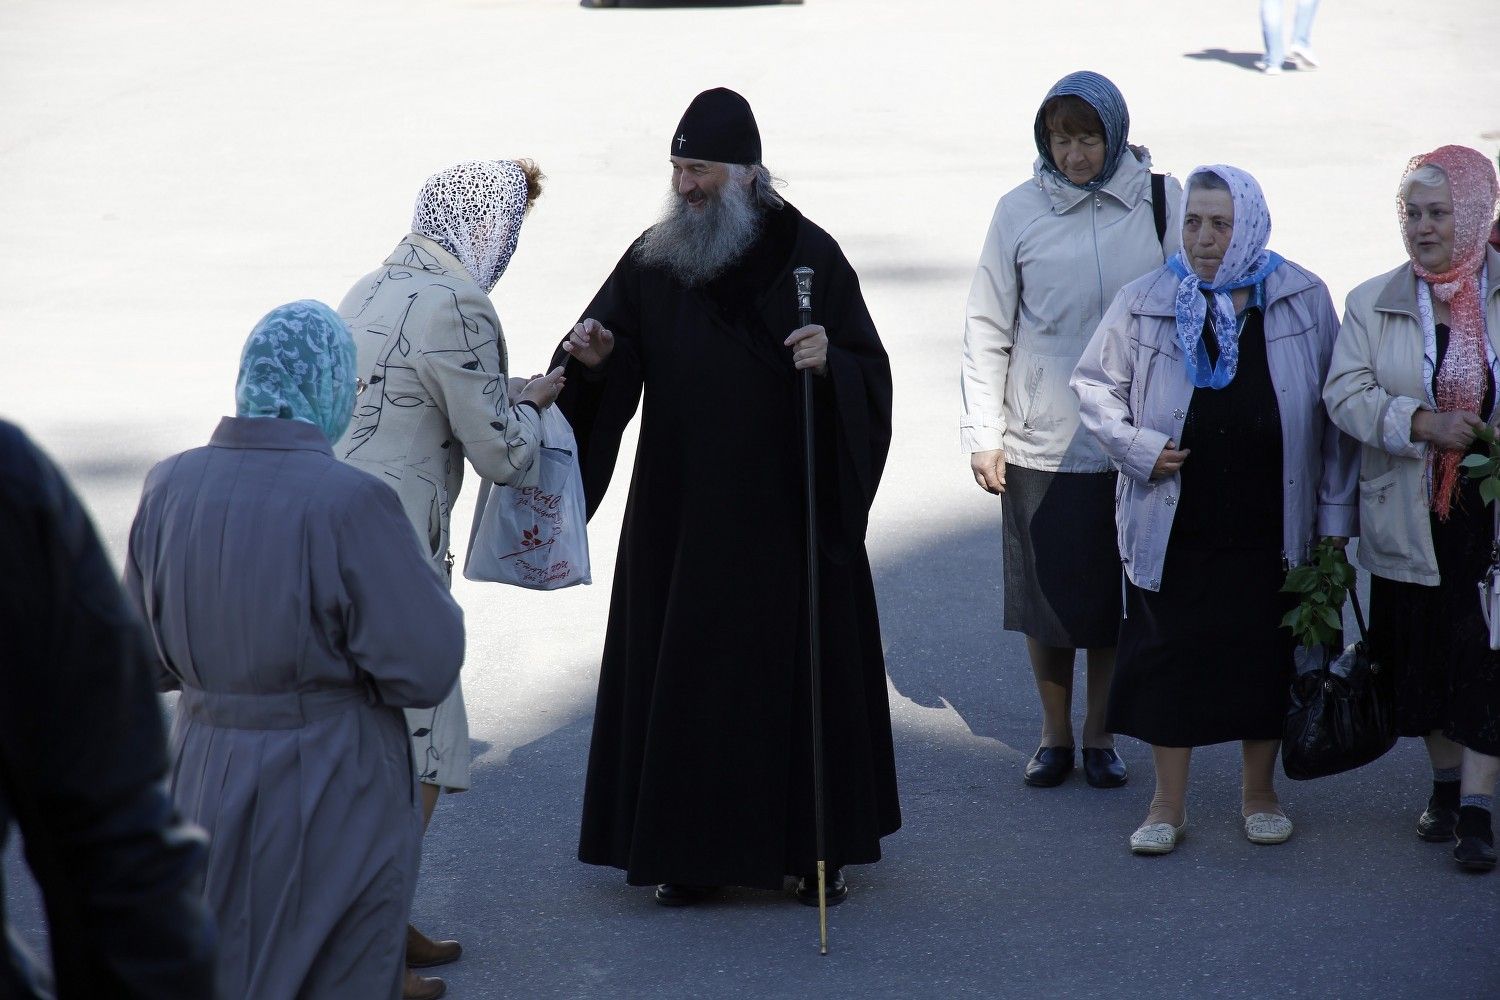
(1474, 855)
(677, 894)
(1475, 850)
(1103, 767)
(1048, 766)
(1436, 824)
(836, 889)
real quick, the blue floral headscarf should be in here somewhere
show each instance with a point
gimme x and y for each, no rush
(299, 365)
(1245, 263)
(1107, 101)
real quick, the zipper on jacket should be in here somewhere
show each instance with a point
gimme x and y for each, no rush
(1098, 264)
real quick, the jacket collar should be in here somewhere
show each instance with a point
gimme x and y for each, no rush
(1160, 297)
(269, 434)
(1128, 185)
(426, 254)
(1399, 294)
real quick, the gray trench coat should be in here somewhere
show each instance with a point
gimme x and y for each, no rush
(291, 603)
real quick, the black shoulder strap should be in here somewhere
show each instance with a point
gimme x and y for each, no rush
(1159, 208)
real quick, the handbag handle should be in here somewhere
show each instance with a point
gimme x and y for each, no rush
(1359, 618)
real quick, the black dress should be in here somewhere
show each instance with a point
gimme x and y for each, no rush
(1205, 659)
(1434, 638)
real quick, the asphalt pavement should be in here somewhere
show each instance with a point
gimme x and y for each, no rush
(170, 170)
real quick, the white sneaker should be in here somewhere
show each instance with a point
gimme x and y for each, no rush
(1303, 58)
(1157, 838)
(1267, 828)
(1267, 68)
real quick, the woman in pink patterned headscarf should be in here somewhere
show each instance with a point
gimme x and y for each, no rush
(1414, 377)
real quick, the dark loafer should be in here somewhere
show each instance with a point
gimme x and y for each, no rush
(677, 894)
(1474, 855)
(1048, 766)
(1475, 850)
(1103, 767)
(423, 953)
(835, 888)
(1436, 824)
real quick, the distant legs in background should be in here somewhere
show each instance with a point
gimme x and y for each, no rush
(1270, 30)
(1276, 53)
(1301, 52)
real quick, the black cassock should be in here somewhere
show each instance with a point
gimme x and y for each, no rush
(700, 769)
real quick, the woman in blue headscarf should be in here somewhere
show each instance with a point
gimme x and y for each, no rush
(293, 606)
(1091, 218)
(1203, 383)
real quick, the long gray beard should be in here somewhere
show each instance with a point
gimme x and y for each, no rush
(697, 247)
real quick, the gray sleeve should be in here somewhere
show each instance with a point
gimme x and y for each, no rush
(402, 626)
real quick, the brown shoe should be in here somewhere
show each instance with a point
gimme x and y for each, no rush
(423, 953)
(416, 987)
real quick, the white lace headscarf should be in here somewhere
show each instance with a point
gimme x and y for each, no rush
(474, 211)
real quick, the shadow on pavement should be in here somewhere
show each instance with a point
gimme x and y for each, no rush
(1244, 60)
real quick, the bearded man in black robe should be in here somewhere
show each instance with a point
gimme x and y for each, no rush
(700, 770)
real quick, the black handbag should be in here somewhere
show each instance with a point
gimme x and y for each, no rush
(1342, 714)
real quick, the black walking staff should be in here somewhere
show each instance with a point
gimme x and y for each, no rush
(804, 276)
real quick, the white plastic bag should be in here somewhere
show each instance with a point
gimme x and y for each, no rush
(535, 536)
(1489, 588)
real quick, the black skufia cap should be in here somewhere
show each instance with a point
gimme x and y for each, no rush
(718, 126)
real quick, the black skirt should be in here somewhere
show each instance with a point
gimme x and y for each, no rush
(1435, 640)
(1205, 659)
(1062, 564)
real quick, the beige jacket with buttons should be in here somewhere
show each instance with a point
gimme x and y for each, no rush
(1374, 387)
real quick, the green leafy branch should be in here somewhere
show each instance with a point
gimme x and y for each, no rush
(1485, 468)
(1323, 583)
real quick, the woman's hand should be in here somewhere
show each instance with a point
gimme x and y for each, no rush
(1169, 461)
(989, 469)
(1453, 431)
(543, 391)
(517, 385)
(590, 343)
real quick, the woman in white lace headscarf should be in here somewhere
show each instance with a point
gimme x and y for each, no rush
(434, 368)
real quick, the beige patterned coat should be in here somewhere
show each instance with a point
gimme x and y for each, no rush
(433, 360)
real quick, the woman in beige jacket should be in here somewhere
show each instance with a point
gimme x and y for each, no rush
(1092, 218)
(434, 391)
(1414, 377)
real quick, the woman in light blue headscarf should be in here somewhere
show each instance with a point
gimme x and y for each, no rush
(1090, 218)
(299, 365)
(293, 605)
(1204, 384)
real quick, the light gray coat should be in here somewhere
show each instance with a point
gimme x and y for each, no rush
(290, 601)
(1134, 391)
(1053, 260)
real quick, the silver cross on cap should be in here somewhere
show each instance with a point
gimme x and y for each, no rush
(681, 141)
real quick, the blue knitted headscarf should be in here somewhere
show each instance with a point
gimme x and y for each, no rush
(1107, 101)
(299, 365)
